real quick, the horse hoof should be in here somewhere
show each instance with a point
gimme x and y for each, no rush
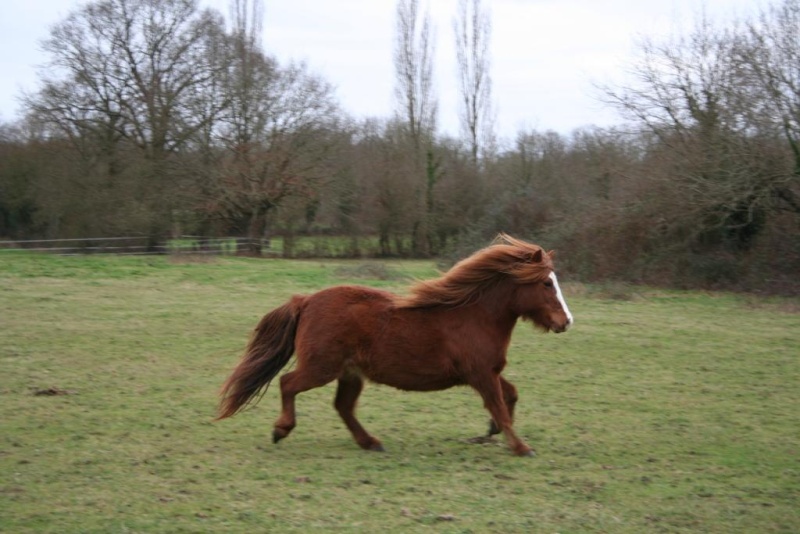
(377, 447)
(278, 435)
(529, 454)
(493, 430)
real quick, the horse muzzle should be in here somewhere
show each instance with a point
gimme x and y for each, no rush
(561, 326)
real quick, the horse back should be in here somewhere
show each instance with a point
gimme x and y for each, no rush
(342, 319)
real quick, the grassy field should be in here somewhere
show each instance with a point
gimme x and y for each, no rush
(660, 411)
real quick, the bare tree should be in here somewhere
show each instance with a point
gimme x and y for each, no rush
(767, 55)
(138, 64)
(690, 97)
(277, 132)
(283, 155)
(472, 26)
(392, 183)
(413, 60)
(131, 75)
(249, 72)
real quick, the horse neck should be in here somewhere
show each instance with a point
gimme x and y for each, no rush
(495, 306)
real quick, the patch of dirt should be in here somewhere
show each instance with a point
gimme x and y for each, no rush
(369, 271)
(189, 257)
(482, 439)
(52, 392)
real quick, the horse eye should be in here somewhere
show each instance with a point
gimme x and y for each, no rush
(548, 283)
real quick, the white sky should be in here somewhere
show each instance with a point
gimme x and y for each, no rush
(546, 54)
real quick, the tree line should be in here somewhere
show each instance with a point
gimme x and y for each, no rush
(161, 118)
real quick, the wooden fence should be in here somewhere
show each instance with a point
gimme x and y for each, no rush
(133, 245)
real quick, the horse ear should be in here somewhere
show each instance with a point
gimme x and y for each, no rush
(551, 254)
(537, 256)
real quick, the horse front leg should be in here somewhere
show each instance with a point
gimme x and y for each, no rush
(510, 397)
(492, 392)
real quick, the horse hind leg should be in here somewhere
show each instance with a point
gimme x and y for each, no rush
(347, 392)
(292, 383)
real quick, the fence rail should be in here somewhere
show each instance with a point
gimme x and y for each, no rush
(135, 245)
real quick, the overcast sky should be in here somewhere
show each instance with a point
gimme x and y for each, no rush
(547, 55)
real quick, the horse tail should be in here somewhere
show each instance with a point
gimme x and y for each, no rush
(270, 348)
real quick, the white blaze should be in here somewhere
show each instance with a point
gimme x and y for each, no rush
(561, 298)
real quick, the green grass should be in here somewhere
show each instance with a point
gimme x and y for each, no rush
(660, 411)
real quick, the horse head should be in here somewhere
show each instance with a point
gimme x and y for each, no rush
(537, 296)
(514, 268)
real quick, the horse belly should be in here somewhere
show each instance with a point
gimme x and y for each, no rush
(411, 364)
(409, 380)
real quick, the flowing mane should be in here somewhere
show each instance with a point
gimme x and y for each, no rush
(465, 281)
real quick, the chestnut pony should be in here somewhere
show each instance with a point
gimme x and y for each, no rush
(449, 331)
